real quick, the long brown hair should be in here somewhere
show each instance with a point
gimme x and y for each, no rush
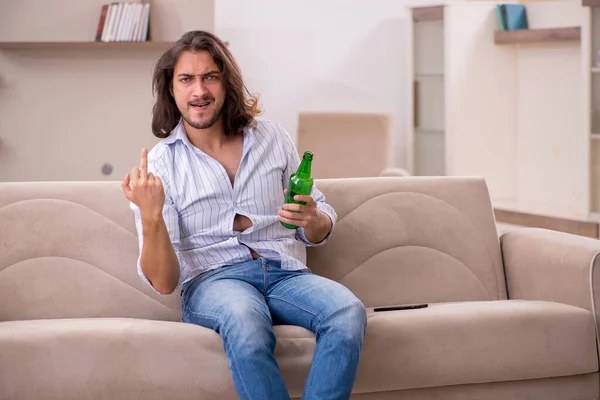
(240, 106)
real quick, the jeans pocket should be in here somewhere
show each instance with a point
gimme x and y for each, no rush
(189, 286)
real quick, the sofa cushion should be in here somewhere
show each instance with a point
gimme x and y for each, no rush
(111, 358)
(69, 250)
(444, 344)
(476, 342)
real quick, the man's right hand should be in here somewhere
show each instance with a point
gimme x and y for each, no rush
(144, 189)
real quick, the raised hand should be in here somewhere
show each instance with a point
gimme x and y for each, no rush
(144, 189)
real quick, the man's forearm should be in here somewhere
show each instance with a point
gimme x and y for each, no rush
(158, 259)
(316, 232)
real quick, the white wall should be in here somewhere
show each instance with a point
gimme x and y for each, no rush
(322, 55)
(65, 111)
(515, 113)
(301, 55)
(481, 99)
(553, 142)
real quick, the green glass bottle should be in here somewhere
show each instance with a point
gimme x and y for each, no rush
(300, 183)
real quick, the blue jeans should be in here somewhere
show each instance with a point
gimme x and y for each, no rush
(242, 302)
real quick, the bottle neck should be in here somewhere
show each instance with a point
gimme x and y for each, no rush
(304, 167)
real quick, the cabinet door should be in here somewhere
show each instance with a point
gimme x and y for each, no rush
(428, 92)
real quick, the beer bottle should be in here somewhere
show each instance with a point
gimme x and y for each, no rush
(300, 183)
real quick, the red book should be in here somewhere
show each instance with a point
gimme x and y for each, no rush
(100, 28)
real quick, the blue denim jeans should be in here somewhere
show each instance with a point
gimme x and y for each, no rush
(242, 302)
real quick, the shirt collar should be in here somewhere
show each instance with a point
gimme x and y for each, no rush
(178, 133)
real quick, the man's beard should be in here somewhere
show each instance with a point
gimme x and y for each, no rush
(207, 124)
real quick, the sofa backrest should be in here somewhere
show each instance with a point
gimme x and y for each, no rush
(412, 239)
(69, 249)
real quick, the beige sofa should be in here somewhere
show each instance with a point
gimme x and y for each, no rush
(508, 319)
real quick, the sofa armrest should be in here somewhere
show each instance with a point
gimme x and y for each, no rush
(541, 264)
(547, 265)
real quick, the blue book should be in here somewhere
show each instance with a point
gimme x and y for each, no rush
(501, 12)
(516, 16)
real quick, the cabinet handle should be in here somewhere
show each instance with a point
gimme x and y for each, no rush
(416, 103)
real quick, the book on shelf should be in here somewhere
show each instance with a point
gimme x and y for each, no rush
(123, 22)
(512, 17)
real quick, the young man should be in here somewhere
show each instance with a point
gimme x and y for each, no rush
(208, 201)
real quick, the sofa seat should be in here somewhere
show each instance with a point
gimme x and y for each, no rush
(476, 342)
(444, 344)
(116, 358)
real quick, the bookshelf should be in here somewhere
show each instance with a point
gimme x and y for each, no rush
(537, 35)
(427, 130)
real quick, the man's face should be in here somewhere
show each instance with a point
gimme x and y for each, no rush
(198, 89)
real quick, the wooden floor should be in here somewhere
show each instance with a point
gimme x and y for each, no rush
(508, 219)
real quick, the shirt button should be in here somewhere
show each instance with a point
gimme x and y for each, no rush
(234, 204)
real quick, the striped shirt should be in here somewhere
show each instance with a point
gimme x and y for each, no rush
(201, 203)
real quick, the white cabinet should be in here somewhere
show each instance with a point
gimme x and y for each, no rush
(508, 106)
(590, 45)
(427, 130)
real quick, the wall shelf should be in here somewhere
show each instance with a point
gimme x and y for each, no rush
(537, 35)
(108, 45)
(590, 3)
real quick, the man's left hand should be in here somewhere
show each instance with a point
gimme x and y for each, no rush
(301, 215)
(316, 223)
